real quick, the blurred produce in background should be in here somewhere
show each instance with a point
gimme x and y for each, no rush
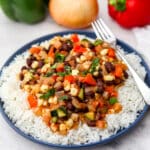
(28, 11)
(74, 13)
(130, 13)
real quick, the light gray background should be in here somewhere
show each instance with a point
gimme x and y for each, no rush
(13, 35)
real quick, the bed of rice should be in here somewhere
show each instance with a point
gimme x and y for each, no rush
(16, 107)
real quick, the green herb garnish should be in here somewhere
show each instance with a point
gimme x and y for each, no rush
(113, 100)
(97, 42)
(62, 74)
(59, 57)
(48, 74)
(85, 72)
(54, 66)
(46, 96)
(68, 69)
(94, 64)
(64, 97)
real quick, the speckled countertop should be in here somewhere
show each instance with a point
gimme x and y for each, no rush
(13, 35)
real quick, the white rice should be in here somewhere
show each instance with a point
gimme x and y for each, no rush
(16, 107)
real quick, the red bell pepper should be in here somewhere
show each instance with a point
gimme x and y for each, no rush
(70, 78)
(60, 67)
(74, 38)
(89, 79)
(79, 49)
(32, 100)
(130, 13)
(34, 50)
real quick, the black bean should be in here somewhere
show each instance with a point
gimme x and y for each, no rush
(24, 68)
(40, 64)
(125, 74)
(21, 76)
(117, 81)
(29, 62)
(98, 115)
(100, 85)
(70, 106)
(110, 82)
(91, 45)
(91, 123)
(32, 57)
(67, 45)
(109, 67)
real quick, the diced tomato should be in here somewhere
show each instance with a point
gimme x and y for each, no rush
(89, 79)
(118, 71)
(32, 100)
(70, 78)
(109, 89)
(51, 52)
(101, 103)
(111, 52)
(60, 67)
(75, 38)
(34, 50)
(55, 77)
(79, 49)
(114, 94)
(95, 103)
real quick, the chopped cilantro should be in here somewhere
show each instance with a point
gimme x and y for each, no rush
(46, 96)
(94, 64)
(59, 57)
(64, 97)
(48, 74)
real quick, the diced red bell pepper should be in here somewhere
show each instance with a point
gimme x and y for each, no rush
(70, 78)
(55, 77)
(34, 50)
(79, 49)
(60, 67)
(111, 52)
(51, 52)
(118, 71)
(75, 38)
(89, 79)
(32, 100)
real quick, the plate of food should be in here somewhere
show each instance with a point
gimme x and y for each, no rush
(71, 90)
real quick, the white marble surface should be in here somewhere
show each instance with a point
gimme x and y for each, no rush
(13, 35)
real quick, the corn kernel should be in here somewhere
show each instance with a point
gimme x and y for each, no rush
(34, 64)
(62, 127)
(104, 52)
(109, 77)
(69, 123)
(44, 88)
(75, 72)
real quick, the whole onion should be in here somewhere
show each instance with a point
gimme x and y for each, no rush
(73, 13)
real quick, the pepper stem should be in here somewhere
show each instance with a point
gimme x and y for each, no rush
(120, 5)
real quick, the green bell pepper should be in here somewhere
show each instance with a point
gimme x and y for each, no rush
(28, 11)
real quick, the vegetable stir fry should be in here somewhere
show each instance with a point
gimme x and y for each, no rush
(73, 81)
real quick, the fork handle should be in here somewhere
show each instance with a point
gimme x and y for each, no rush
(143, 88)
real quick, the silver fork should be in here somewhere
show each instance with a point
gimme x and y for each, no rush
(104, 33)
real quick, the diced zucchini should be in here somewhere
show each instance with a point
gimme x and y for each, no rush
(90, 115)
(54, 119)
(54, 113)
(61, 112)
(81, 94)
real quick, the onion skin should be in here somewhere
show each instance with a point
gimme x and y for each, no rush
(74, 13)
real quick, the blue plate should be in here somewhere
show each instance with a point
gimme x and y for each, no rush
(126, 47)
